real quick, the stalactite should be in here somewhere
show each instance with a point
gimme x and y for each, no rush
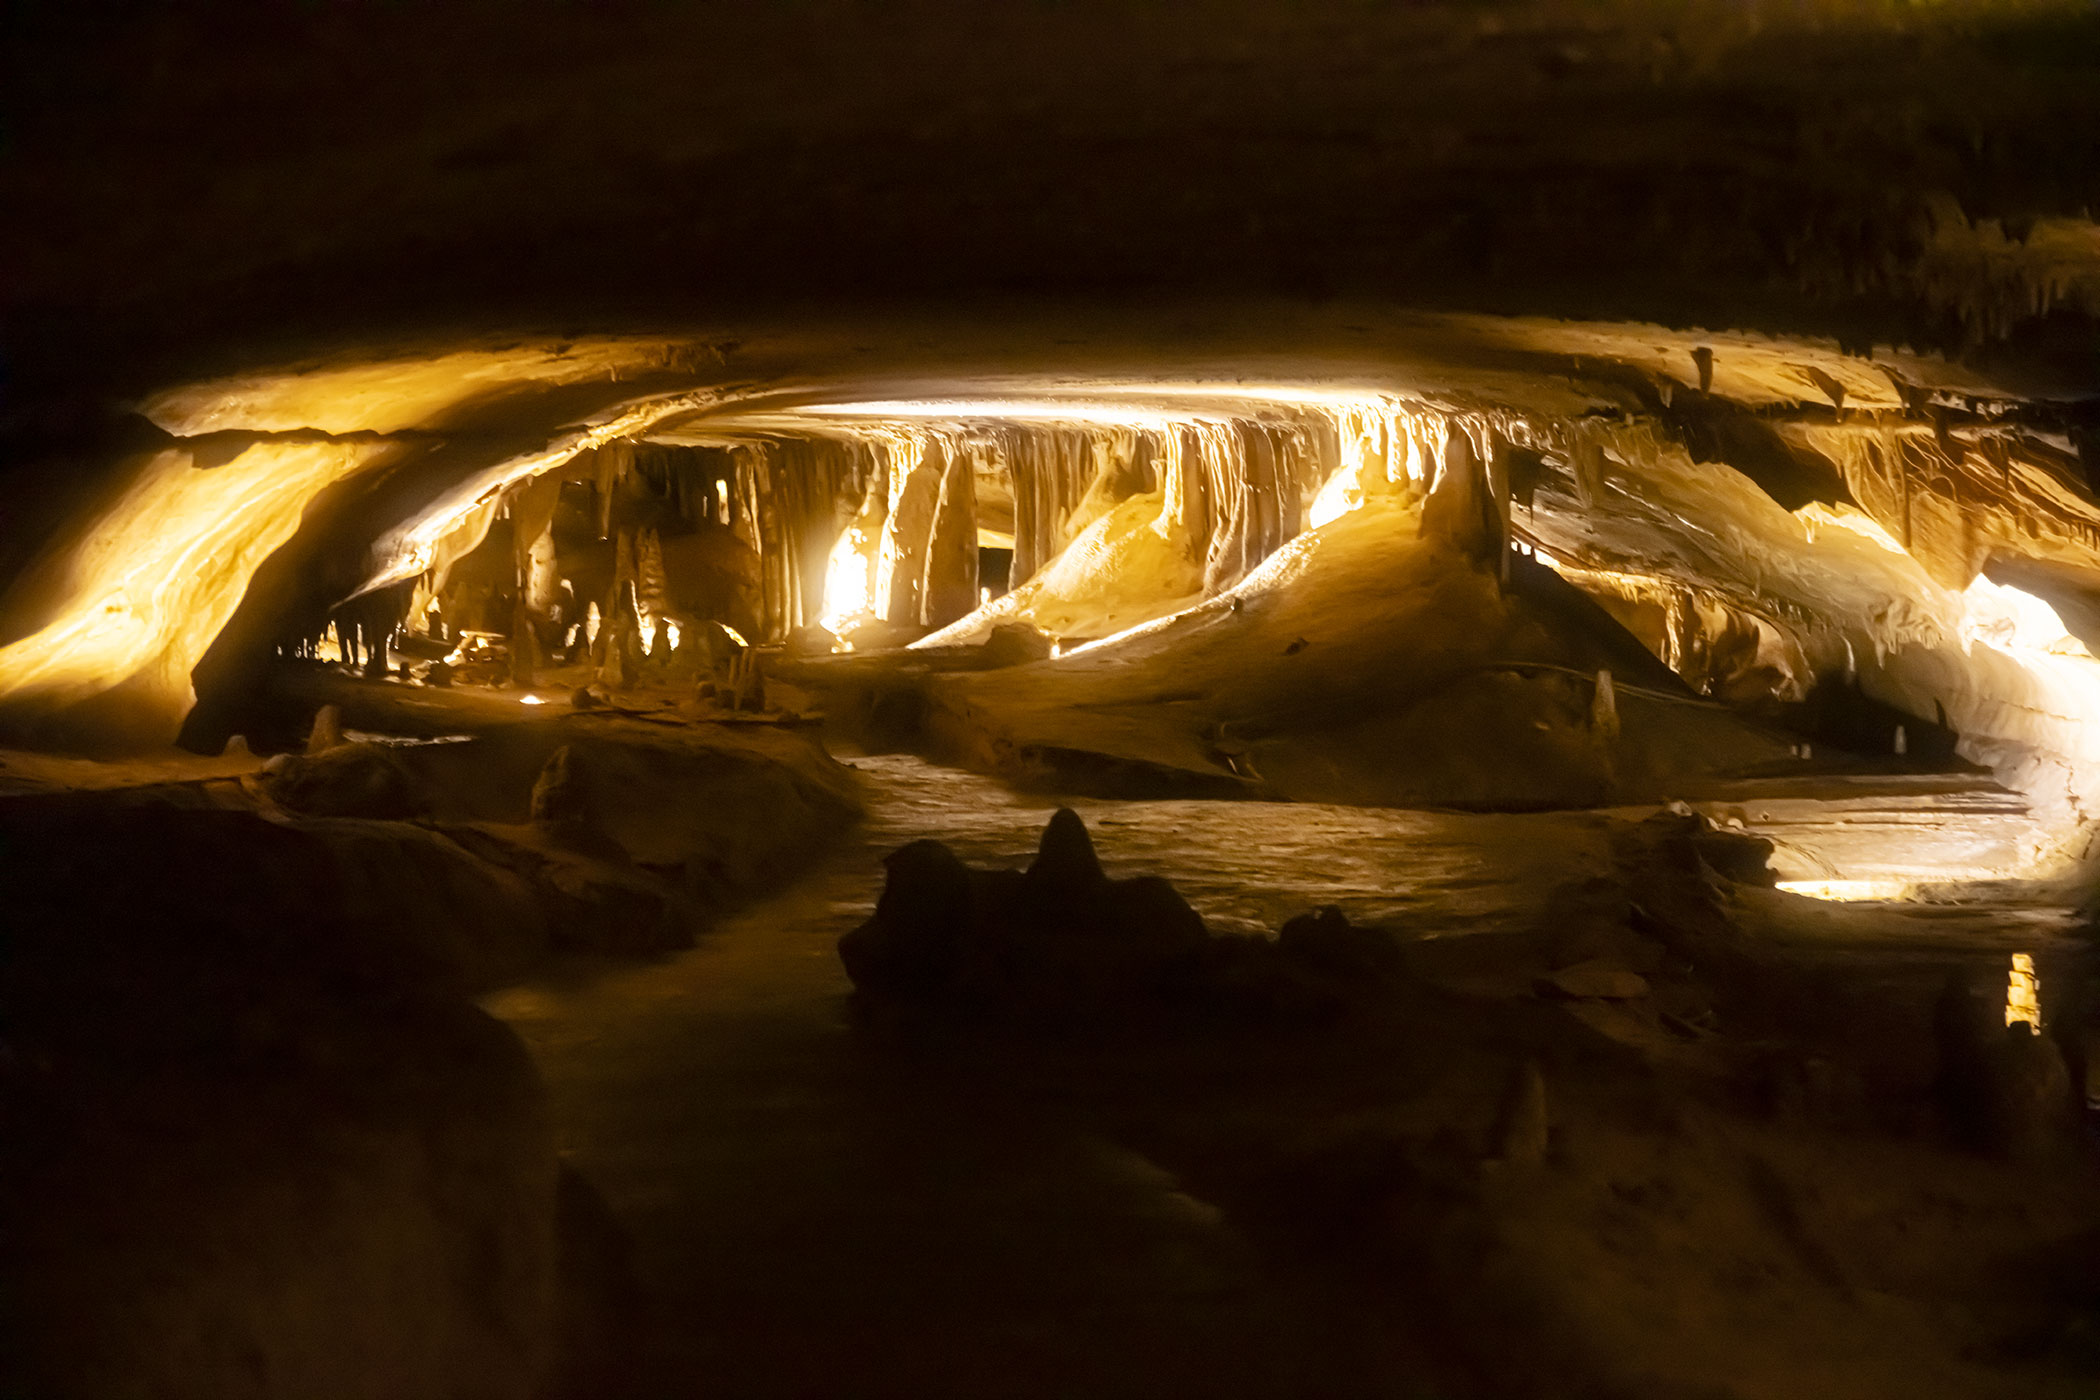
(1052, 470)
(611, 464)
(1224, 481)
(907, 532)
(1462, 509)
(1499, 471)
(1184, 507)
(1262, 518)
(948, 588)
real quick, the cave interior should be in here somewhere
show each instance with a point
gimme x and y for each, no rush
(1426, 737)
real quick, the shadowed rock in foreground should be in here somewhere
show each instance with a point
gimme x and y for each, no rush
(1063, 942)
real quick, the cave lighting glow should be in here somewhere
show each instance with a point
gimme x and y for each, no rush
(1012, 410)
(849, 580)
(2009, 618)
(163, 571)
(1848, 891)
(1145, 403)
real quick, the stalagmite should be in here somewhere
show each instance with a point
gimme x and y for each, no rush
(532, 517)
(651, 585)
(619, 667)
(524, 647)
(327, 731)
(746, 683)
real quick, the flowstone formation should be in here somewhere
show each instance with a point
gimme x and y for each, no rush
(1401, 654)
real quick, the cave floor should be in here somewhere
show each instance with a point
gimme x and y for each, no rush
(811, 1214)
(809, 1224)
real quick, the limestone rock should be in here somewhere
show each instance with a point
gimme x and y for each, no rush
(1060, 942)
(746, 685)
(1736, 856)
(524, 648)
(1598, 979)
(1327, 944)
(811, 641)
(1065, 942)
(1248, 979)
(911, 947)
(617, 672)
(557, 798)
(348, 780)
(600, 905)
(1016, 644)
(706, 647)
